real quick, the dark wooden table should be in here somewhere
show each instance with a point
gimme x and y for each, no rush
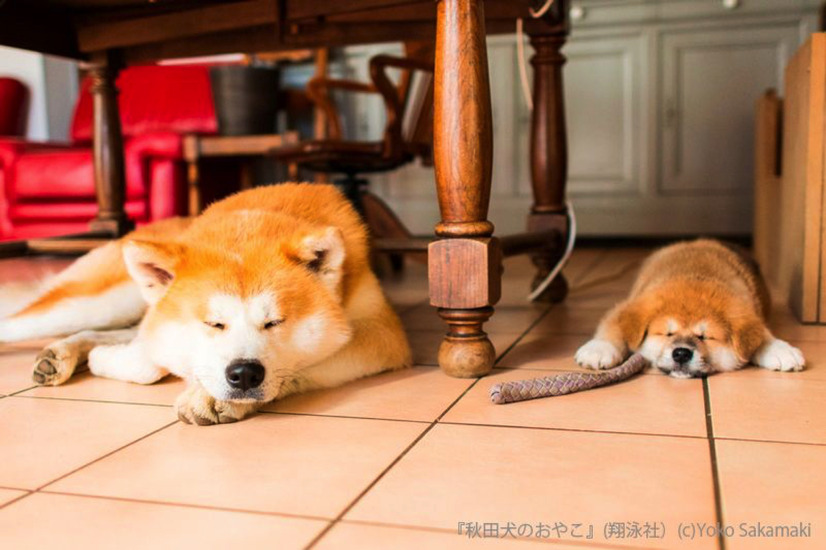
(465, 260)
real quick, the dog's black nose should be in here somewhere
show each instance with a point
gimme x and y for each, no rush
(245, 374)
(682, 355)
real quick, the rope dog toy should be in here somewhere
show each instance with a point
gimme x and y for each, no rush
(567, 382)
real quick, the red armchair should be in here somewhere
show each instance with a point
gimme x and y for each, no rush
(48, 188)
(14, 99)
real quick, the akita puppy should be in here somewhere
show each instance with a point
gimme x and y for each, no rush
(267, 293)
(696, 308)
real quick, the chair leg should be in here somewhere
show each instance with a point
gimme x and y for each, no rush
(353, 188)
(549, 148)
(464, 264)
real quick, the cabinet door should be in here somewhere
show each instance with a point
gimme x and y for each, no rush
(604, 91)
(710, 82)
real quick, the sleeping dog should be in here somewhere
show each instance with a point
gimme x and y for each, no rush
(267, 293)
(696, 308)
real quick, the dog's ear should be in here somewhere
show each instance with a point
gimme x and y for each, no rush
(322, 252)
(152, 266)
(633, 319)
(747, 335)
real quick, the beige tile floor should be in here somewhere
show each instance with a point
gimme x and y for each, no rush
(410, 459)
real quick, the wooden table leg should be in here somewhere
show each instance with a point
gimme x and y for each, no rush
(549, 145)
(464, 265)
(110, 179)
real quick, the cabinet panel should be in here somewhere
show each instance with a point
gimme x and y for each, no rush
(710, 82)
(603, 90)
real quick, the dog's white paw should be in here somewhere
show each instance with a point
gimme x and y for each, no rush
(56, 363)
(779, 355)
(599, 354)
(196, 406)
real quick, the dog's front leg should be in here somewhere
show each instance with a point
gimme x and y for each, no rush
(776, 354)
(59, 360)
(197, 406)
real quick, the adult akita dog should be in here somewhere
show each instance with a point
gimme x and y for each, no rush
(267, 293)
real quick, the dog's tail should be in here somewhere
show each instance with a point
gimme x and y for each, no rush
(94, 292)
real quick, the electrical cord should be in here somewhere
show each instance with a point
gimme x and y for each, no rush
(526, 94)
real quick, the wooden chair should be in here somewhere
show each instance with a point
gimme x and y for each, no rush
(408, 133)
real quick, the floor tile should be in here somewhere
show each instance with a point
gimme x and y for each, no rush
(304, 465)
(774, 484)
(643, 404)
(8, 495)
(792, 330)
(544, 351)
(88, 387)
(418, 393)
(564, 319)
(16, 370)
(554, 352)
(768, 408)
(43, 439)
(597, 297)
(488, 474)
(519, 273)
(425, 344)
(69, 522)
(815, 354)
(352, 536)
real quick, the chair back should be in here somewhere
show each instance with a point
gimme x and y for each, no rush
(14, 101)
(416, 96)
(155, 98)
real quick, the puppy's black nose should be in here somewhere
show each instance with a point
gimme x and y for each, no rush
(245, 374)
(682, 355)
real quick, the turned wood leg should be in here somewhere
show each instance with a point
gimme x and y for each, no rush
(549, 147)
(464, 264)
(107, 144)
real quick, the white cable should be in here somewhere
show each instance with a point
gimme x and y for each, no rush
(526, 93)
(569, 248)
(523, 67)
(536, 14)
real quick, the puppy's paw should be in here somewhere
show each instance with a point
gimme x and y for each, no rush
(599, 354)
(56, 364)
(779, 355)
(196, 406)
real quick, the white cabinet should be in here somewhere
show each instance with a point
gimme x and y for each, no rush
(659, 102)
(710, 81)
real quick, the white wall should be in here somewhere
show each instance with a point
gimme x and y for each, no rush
(53, 86)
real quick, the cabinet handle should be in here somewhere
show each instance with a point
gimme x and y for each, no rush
(577, 13)
(731, 4)
(672, 114)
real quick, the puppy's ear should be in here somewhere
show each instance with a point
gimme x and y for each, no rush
(633, 320)
(747, 334)
(322, 252)
(152, 265)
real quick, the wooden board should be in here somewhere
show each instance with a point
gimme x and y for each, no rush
(801, 198)
(767, 183)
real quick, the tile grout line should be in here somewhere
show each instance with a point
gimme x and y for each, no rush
(422, 528)
(421, 436)
(574, 430)
(715, 474)
(373, 483)
(87, 400)
(107, 455)
(17, 499)
(185, 505)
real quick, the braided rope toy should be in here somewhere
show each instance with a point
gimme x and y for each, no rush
(564, 383)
